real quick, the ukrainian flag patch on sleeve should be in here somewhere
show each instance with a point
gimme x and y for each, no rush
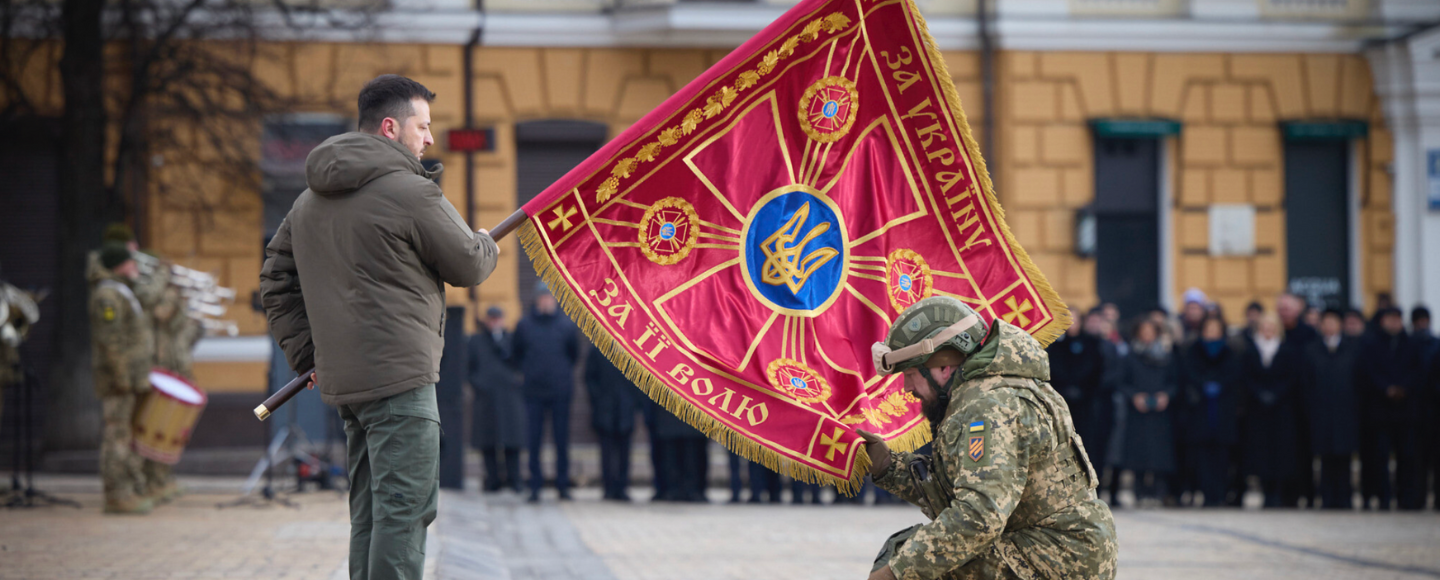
(977, 426)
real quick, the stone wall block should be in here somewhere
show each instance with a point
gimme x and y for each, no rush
(1203, 145)
(1281, 73)
(1034, 101)
(564, 77)
(1033, 187)
(1322, 79)
(1255, 146)
(1064, 144)
(1227, 103)
(607, 72)
(1194, 187)
(1132, 83)
(1229, 185)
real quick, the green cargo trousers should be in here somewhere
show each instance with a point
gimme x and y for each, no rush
(393, 445)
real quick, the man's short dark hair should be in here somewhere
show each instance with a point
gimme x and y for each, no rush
(1255, 306)
(1336, 312)
(389, 96)
(1420, 312)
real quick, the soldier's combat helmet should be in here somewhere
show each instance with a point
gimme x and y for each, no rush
(924, 329)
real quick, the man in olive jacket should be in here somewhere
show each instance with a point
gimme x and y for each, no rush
(374, 242)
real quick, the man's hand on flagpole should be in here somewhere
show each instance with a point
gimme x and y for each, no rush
(879, 455)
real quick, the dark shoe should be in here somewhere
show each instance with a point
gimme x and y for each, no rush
(534, 497)
(565, 495)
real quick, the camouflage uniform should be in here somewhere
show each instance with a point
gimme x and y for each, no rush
(1022, 500)
(122, 355)
(175, 337)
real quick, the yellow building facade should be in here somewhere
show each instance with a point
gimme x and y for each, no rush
(1228, 152)
(1230, 82)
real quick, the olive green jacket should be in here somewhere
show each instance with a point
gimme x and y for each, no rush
(354, 280)
(1023, 489)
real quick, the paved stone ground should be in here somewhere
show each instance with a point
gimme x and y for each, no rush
(499, 537)
(189, 538)
(717, 541)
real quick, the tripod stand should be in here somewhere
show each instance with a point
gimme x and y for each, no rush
(22, 438)
(282, 447)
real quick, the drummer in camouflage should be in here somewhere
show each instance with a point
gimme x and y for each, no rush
(1009, 490)
(122, 354)
(175, 337)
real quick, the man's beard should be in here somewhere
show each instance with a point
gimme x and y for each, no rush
(935, 411)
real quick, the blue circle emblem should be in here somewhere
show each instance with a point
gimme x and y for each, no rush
(795, 251)
(798, 383)
(905, 282)
(831, 109)
(667, 231)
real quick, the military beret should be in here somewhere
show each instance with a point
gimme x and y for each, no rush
(113, 254)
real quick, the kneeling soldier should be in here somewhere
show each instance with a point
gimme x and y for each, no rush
(1010, 490)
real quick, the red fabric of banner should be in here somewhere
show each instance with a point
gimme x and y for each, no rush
(738, 250)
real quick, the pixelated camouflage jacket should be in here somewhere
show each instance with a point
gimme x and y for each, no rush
(175, 333)
(1022, 493)
(120, 333)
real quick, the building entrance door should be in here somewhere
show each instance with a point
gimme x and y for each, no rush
(1127, 223)
(545, 151)
(1317, 221)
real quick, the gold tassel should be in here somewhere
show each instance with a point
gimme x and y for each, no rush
(1061, 312)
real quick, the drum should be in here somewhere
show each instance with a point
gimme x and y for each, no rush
(165, 418)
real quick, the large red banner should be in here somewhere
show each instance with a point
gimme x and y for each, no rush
(738, 250)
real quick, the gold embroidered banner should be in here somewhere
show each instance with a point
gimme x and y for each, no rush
(738, 250)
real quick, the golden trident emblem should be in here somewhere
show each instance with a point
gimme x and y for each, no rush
(783, 264)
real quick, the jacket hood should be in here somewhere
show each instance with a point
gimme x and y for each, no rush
(1008, 351)
(346, 162)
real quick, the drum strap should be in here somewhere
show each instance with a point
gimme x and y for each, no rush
(124, 291)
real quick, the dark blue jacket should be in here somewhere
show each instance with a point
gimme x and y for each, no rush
(546, 348)
(1211, 391)
(613, 398)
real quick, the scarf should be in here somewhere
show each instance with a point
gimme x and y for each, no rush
(1267, 347)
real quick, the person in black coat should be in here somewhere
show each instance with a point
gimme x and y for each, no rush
(1331, 404)
(546, 348)
(679, 454)
(1392, 415)
(613, 403)
(1148, 385)
(1295, 321)
(497, 425)
(1210, 388)
(1077, 370)
(1272, 376)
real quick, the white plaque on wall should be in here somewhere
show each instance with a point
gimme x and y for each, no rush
(1232, 230)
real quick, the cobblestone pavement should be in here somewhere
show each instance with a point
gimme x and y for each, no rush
(188, 538)
(499, 537)
(716, 541)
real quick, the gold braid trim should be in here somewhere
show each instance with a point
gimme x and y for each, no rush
(1058, 310)
(717, 102)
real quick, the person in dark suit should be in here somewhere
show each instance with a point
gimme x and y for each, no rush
(613, 403)
(1210, 388)
(1392, 408)
(678, 453)
(546, 348)
(1270, 440)
(497, 419)
(1077, 370)
(1331, 404)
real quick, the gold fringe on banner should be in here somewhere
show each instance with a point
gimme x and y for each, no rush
(912, 439)
(1058, 309)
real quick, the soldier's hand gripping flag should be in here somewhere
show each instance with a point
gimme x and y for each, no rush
(738, 250)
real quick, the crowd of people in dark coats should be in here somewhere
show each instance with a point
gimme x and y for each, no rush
(523, 381)
(1298, 404)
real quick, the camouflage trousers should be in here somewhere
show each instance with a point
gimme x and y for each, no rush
(157, 476)
(121, 469)
(999, 562)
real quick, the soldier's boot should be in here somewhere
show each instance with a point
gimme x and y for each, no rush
(166, 492)
(133, 505)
